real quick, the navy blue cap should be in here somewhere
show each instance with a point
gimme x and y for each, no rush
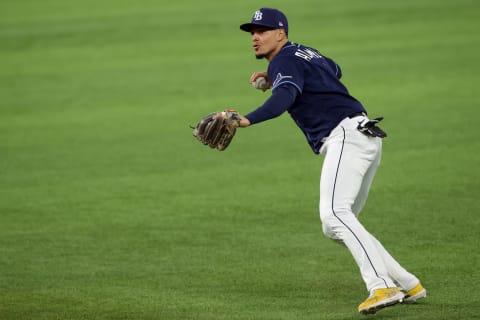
(267, 17)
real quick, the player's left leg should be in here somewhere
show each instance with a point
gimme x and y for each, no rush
(367, 181)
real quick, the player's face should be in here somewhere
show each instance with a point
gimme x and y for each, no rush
(266, 42)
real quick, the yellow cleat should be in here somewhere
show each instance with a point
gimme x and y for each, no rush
(380, 299)
(415, 293)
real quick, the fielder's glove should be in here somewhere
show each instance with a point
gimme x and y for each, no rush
(217, 129)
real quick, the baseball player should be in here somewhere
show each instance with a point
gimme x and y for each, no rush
(306, 84)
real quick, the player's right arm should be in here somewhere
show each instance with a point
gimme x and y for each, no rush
(256, 75)
(335, 67)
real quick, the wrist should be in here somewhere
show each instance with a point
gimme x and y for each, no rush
(244, 122)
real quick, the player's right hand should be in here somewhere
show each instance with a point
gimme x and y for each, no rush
(262, 74)
(256, 75)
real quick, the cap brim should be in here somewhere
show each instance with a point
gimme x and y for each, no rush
(247, 27)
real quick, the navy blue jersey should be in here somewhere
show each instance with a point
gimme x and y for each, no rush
(319, 101)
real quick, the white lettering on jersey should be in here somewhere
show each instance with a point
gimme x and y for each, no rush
(258, 15)
(307, 54)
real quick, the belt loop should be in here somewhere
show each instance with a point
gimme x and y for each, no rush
(357, 114)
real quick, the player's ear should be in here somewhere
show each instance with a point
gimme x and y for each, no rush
(282, 34)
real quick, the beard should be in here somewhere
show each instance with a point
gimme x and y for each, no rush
(266, 55)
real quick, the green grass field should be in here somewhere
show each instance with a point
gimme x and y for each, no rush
(109, 209)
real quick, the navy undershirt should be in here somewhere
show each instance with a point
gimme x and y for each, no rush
(281, 99)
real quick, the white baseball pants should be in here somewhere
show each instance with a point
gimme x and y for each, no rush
(351, 161)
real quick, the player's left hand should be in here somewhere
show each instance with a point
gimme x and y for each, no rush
(217, 129)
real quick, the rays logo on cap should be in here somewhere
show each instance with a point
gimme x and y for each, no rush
(267, 18)
(258, 15)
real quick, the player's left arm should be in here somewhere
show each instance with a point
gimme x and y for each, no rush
(285, 78)
(244, 122)
(282, 98)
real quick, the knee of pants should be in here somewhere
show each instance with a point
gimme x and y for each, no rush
(330, 227)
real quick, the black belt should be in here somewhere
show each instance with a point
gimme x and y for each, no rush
(357, 114)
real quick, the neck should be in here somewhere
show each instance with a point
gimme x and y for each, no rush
(277, 49)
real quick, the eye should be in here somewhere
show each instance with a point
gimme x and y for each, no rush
(259, 31)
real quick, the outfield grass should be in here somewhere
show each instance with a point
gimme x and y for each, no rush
(109, 209)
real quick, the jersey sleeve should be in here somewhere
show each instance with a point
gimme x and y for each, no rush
(285, 71)
(335, 67)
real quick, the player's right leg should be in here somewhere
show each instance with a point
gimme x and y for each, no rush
(404, 279)
(344, 168)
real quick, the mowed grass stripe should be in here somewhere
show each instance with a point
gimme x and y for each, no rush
(109, 209)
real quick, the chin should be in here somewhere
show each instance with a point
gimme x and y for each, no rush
(260, 56)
